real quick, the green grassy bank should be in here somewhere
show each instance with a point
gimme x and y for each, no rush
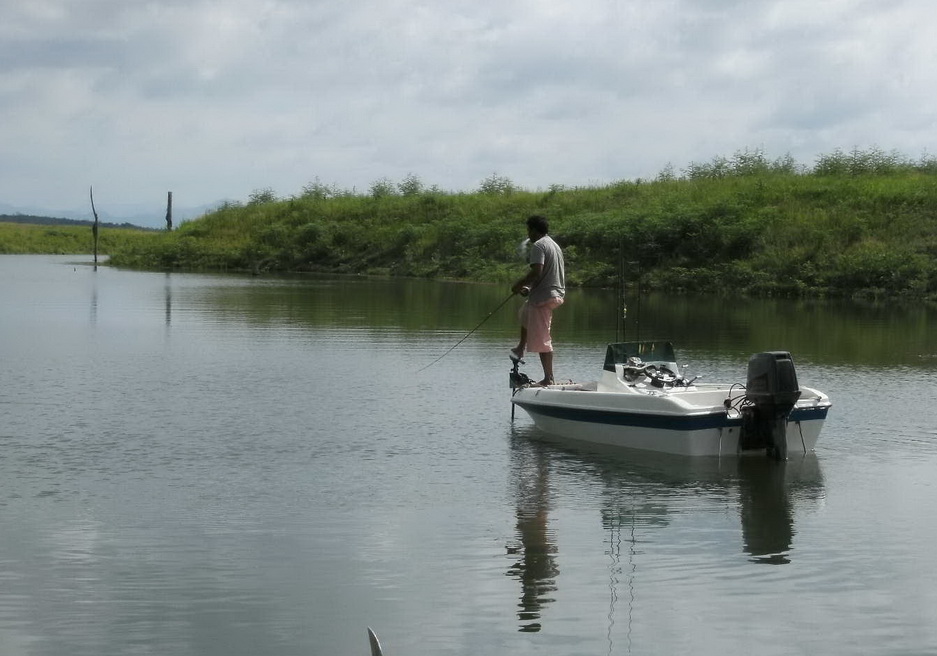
(26, 238)
(855, 223)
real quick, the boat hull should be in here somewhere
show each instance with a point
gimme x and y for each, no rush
(669, 425)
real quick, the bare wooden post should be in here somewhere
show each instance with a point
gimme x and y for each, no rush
(94, 228)
(169, 212)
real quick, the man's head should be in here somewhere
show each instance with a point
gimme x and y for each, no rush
(537, 226)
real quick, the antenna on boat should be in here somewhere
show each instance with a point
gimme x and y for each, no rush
(621, 310)
(637, 322)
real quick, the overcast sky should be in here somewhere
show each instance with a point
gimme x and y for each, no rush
(214, 99)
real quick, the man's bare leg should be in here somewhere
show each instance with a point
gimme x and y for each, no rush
(546, 360)
(522, 344)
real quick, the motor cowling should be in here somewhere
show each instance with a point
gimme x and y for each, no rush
(771, 391)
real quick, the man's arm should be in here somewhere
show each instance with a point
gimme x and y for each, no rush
(533, 275)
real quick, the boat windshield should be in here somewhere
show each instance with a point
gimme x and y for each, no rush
(647, 351)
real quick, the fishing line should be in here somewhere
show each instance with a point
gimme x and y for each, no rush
(469, 334)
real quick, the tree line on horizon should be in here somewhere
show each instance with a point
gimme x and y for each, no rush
(743, 163)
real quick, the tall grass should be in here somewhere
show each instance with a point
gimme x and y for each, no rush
(858, 222)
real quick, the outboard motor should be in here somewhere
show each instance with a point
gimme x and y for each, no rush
(771, 392)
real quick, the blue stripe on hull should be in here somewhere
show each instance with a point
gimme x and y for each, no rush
(663, 422)
(809, 414)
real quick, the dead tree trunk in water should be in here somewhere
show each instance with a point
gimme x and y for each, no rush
(94, 229)
(169, 212)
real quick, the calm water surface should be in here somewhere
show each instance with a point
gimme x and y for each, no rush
(198, 464)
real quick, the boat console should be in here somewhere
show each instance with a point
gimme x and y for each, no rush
(650, 363)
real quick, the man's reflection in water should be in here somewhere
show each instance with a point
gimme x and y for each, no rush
(536, 566)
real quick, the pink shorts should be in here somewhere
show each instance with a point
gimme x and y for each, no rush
(538, 319)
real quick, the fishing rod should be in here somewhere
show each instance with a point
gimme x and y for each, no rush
(469, 334)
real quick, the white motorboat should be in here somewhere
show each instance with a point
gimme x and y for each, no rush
(641, 401)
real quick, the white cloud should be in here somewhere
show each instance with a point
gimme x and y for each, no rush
(216, 98)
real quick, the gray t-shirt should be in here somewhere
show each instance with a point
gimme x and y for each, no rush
(552, 283)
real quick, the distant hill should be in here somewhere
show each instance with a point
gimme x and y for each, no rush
(51, 220)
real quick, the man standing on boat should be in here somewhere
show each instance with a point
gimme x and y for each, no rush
(545, 288)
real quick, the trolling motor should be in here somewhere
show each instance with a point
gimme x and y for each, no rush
(518, 378)
(770, 395)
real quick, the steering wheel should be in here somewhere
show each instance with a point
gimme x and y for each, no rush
(661, 376)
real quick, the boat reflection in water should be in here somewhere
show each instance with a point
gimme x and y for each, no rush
(765, 492)
(640, 492)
